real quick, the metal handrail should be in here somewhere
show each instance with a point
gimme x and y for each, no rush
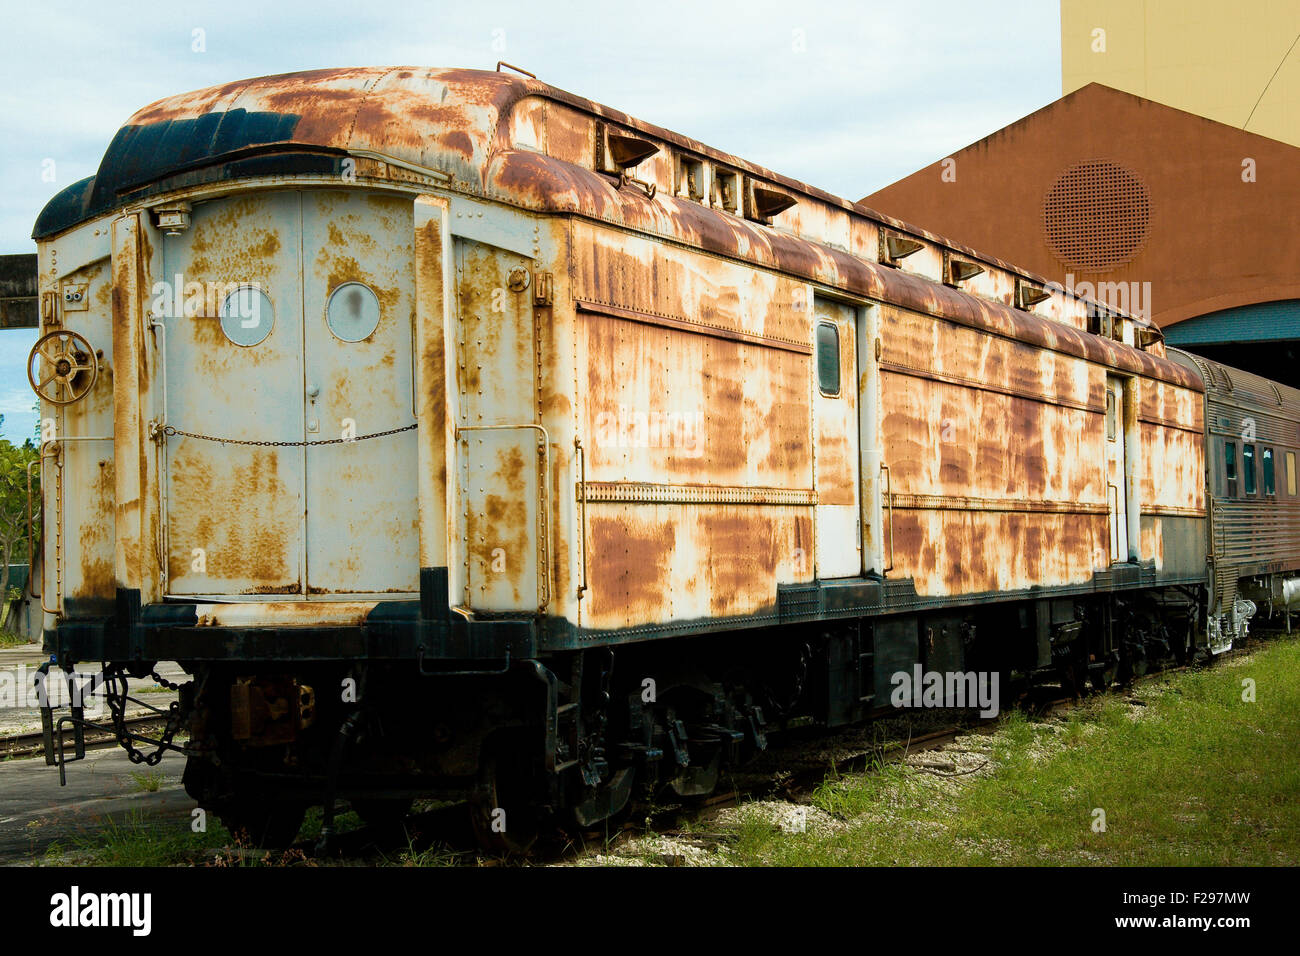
(582, 533)
(889, 503)
(1114, 515)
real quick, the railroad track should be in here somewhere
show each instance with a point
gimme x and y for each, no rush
(33, 744)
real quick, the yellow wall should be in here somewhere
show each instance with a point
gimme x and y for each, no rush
(1210, 57)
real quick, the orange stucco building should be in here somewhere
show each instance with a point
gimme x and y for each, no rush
(1193, 223)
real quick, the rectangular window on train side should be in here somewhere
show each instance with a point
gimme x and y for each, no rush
(1112, 426)
(1266, 463)
(1248, 469)
(1290, 473)
(1230, 467)
(828, 359)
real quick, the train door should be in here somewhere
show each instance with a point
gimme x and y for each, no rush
(362, 526)
(291, 469)
(228, 312)
(1116, 477)
(836, 460)
(501, 453)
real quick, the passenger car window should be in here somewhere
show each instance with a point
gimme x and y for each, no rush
(1267, 461)
(1290, 473)
(1230, 467)
(828, 359)
(1248, 469)
(1111, 426)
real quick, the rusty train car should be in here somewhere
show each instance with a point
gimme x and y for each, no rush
(465, 438)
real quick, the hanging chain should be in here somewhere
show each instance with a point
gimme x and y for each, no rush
(117, 711)
(164, 681)
(170, 430)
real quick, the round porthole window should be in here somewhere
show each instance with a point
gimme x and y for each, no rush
(246, 315)
(352, 311)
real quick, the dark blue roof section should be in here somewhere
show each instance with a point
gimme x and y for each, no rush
(141, 157)
(1262, 322)
(67, 207)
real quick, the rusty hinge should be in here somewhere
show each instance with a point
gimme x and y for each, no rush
(543, 288)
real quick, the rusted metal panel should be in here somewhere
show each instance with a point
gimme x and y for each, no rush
(837, 458)
(976, 415)
(279, 493)
(711, 404)
(502, 460)
(362, 512)
(997, 452)
(666, 405)
(77, 438)
(282, 613)
(235, 509)
(975, 552)
(434, 368)
(135, 559)
(664, 562)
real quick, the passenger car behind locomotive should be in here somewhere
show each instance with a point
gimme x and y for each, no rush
(465, 438)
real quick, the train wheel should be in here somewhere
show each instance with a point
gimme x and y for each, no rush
(263, 823)
(501, 812)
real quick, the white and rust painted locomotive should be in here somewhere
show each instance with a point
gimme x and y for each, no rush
(465, 438)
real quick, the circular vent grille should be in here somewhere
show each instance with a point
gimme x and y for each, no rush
(1096, 216)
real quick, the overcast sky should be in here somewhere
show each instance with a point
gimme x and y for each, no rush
(846, 96)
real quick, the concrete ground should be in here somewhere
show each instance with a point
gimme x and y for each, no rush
(35, 811)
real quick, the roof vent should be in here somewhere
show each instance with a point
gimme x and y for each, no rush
(763, 203)
(618, 152)
(957, 270)
(895, 246)
(1029, 295)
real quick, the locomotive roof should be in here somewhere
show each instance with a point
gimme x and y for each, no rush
(443, 119)
(455, 123)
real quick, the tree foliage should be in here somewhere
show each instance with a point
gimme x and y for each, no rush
(13, 504)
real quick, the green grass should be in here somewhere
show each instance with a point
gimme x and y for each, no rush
(147, 781)
(136, 841)
(1196, 777)
(434, 855)
(10, 639)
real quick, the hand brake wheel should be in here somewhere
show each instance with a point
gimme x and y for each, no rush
(70, 369)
